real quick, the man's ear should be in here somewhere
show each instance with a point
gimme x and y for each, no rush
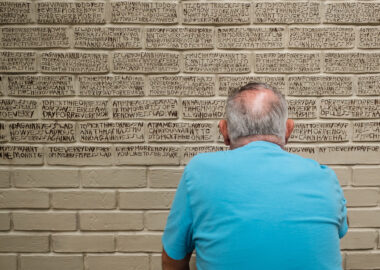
(289, 129)
(223, 130)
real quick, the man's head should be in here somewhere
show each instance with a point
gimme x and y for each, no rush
(256, 111)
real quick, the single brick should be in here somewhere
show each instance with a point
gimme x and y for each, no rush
(344, 175)
(47, 262)
(83, 199)
(180, 132)
(180, 85)
(101, 86)
(70, 12)
(70, 243)
(139, 243)
(41, 85)
(359, 240)
(203, 108)
(15, 12)
(78, 109)
(145, 199)
(145, 109)
(287, 63)
(350, 108)
(290, 12)
(47, 132)
(320, 86)
(44, 221)
(24, 199)
(369, 37)
(227, 84)
(18, 109)
(216, 13)
(303, 151)
(74, 62)
(144, 12)
(352, 62)
(156, 220)
(368, 85)
(302, 108)
(363, 260)
(179, 38)
(361, 197)
(16, 62)
(218, 62)
(251, 38)
(107, 37)
(349, 154)
(45, 178)
(100, 132)
(321, 38)
(5, 177)
(352, 13)
(5, 223)
(146, 62)
(117, 262)
(366, 176)
(120, 177)
(147, 155)
(366, 131)
(190, 151)
(20, 154)
(34, 37)
(107, 221)
(8, 262)
(164, 178)
(364, 218)
(320, 132)
(24, 243)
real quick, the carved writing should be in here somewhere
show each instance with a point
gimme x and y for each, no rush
(41, 85)
(302, 108)
(320, 132)
(147, 154)
(366, 131)
(181, 86)
(287, 62)
(145, 109)
(112, 132)
(320, 86)
(369, 85)
(179, 132)
(42, 132)
(217, 62)
(18, 62)
(203, 109)
(111, 86)
(350, 108)
(74, 109)
(18, 109)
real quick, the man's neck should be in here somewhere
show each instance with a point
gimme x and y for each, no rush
(246, 140)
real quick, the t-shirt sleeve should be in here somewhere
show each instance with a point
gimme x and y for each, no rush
(177, 239)
(343, 224)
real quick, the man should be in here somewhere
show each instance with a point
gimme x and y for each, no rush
(256, 206)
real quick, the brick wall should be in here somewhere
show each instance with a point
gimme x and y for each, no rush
(104, 102)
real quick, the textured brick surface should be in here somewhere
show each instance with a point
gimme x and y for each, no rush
(104, 102)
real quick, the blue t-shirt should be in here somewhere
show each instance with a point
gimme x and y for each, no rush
(257, 207)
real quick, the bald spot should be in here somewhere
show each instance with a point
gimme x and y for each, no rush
(257, 101)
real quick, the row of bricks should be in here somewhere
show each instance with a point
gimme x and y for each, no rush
(169, 108)
(87, 262)
(140, 199)
(183, 85)
(189, 62)
(137, 242)
(190, 12)
(352, 260)
(93, 155)
(154, 177)
(190, 37)
(131, 132)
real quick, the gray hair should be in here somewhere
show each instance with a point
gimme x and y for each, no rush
(244, 120)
